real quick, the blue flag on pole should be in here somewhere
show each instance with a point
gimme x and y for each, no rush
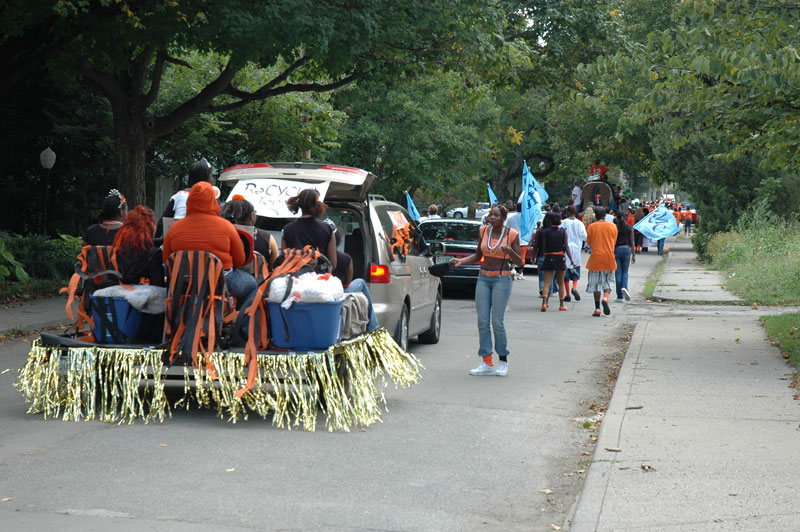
(492, 197)
(531, 204)
(659, 224)
(412, 209)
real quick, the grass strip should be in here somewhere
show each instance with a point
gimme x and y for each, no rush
(783, 330)
(654, 277)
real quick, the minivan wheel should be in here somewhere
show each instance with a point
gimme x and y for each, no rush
(431, 336)
(401, 337)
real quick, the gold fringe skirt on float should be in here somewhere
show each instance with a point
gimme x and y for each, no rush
(126, 384)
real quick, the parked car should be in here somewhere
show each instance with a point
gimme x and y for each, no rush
(460, 238)
(407, 298)
(461, 212)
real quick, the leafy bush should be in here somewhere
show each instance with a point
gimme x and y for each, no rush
(760, 257)
(9, 265)
(43, 258)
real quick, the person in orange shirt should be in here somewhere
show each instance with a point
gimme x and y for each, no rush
(601, 236)
(204, 230)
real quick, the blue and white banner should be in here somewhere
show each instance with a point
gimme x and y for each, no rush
(543, 195)
(492, 197)
(412, 209)
(531, 204)
(659, 224)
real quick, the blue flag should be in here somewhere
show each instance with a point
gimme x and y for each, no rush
(659, 224)
(531, 204)
(492, 197)
(412, 209)
(543, 195)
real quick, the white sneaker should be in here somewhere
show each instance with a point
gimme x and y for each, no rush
(502, 369)
(483, 369)
(625, 294)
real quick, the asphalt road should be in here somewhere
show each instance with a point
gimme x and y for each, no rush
(455, 452)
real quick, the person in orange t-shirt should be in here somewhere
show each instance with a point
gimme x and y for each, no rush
(601, 236)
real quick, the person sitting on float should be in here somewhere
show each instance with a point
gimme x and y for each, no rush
(241, 212)
(115, 209)
(138, 259)
(310, 230)
(204, 230)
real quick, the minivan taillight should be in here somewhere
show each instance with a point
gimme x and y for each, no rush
(378, 273)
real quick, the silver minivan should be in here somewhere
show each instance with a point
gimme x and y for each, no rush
(407, 298)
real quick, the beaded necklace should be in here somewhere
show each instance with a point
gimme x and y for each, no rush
(499, 240)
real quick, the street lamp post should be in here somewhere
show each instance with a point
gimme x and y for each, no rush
(48, 159)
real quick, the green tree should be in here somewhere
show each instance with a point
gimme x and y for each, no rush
(121, 50)
(418, 132)
(560, 35)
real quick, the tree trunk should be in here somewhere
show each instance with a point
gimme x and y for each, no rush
(131, 142)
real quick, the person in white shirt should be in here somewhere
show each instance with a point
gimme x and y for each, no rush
(576, 236)
(514, 221)
(433, 212)
(576, 195)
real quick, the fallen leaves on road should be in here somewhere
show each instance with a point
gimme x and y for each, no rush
(230, 470)
(613, 449)
(737, 340)
(5, 371)
(546, 491)
(647, 469)
(555, 527)
(163, 445)
(8, 499)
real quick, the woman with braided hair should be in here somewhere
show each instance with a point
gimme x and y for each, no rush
(115, 209)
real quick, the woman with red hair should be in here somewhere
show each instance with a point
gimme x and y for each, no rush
(138, 258)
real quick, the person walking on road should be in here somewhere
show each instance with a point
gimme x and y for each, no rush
(601, 236)
(514, 221)
(624, 253)
(554, 247)
(497, 245)
(576, 236)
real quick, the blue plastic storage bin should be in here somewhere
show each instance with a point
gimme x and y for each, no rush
(312, 326)
(127, 319)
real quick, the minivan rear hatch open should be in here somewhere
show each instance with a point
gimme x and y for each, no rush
(345, 183)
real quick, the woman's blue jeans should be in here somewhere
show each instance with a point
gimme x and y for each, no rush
(660, 244)
(623, 256)
(242, 286)
(491, 298)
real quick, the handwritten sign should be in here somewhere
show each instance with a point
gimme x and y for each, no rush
(269, 196)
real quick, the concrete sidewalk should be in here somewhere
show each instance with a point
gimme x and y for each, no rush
(702, 432)
(33, 315)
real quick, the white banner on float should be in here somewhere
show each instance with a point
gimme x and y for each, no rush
(269, 196)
